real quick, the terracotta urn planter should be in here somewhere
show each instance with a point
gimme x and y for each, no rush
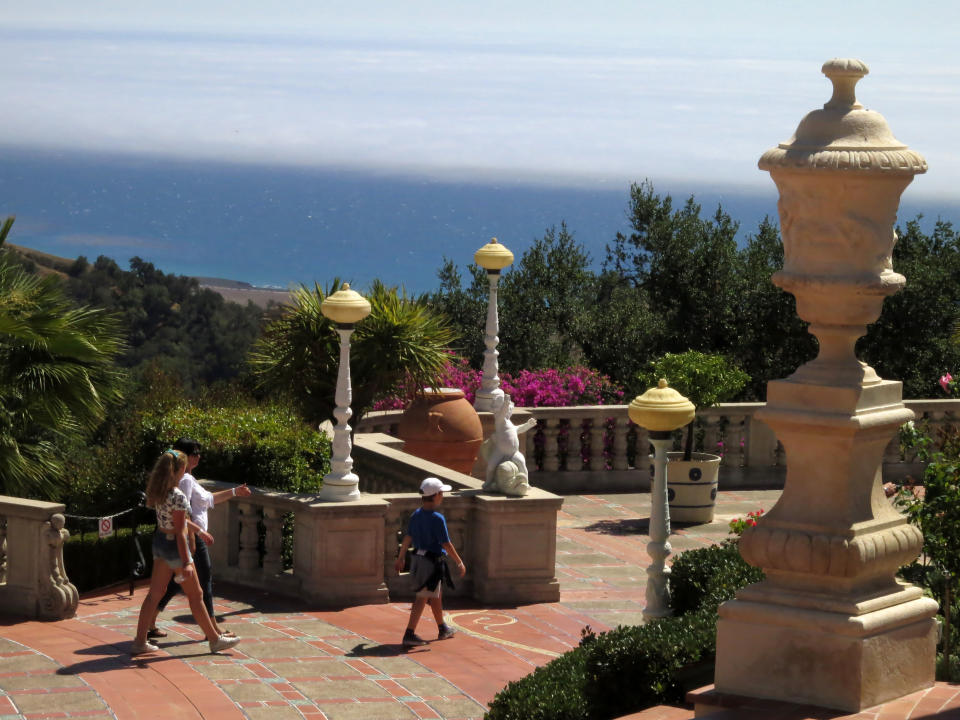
(441, 426)
(692, 487)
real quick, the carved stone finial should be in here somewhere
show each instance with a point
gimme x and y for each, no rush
(844, 73)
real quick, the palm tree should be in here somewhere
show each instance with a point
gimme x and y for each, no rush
(402, 340)
(57, 375)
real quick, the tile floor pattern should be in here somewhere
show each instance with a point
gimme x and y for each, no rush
(342, 665)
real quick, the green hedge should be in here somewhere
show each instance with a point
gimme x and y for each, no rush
(93, 562)
(269, 447)
(631, 668)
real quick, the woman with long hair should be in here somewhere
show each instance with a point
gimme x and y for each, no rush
(171, 554)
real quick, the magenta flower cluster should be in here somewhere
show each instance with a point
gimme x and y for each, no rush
(561, 388)
(529, 388)
(948, 384)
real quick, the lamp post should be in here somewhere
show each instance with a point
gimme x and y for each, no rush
(345, 307)
(492, 257)
(661, 410)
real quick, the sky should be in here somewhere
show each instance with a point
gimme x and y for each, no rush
(559, 92)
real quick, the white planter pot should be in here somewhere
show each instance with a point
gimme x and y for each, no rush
(692, 487)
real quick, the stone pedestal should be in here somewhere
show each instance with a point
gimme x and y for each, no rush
(515, 547)
(339, 555)
(831, 625)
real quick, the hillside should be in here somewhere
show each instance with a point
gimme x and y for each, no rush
(230, 290)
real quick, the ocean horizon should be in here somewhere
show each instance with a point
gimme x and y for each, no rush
(278, 226)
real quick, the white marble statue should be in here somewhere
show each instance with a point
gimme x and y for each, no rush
(506, 465)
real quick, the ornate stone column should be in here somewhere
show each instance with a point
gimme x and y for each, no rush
(345, 307)
(831, 625)
(492, 257)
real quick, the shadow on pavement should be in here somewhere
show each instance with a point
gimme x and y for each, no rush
(625, 526)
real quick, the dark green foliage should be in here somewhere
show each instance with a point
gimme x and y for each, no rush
(552, 692)
(631, 668)
(703, 379)
(635, 667)
(57, 376)
(464, 307)
(706, 577)
(171, 322)
(107, 473)
(402, 340)
(678, 282)
(263, 445)
(93, 562)
(548, 288)
(912, 340)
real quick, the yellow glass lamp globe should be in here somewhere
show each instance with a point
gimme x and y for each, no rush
(661, 409)
(345, 306)
(493, 256)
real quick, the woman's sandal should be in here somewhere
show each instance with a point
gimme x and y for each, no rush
(155, 633)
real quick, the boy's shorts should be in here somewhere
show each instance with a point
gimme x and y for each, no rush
(421, 569)
(165, 548)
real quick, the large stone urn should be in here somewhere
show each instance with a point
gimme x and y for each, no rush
(441, 426)
(831, 625)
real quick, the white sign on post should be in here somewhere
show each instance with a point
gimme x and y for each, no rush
(106, 527)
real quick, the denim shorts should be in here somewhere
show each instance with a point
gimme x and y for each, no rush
(165, 548)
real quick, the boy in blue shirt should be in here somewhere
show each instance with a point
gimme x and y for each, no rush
(427, 533)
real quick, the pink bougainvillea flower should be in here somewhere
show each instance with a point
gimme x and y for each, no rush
(945, 381)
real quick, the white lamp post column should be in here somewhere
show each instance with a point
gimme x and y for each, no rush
(492, 257)
(345, 307)
(661, 410)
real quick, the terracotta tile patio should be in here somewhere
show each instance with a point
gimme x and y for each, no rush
(296, 662)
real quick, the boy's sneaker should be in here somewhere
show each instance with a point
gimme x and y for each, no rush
(446, 632)
(411, 639)
(140, 649)
(223, 643)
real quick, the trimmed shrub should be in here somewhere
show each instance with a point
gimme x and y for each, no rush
(706, 577)
(630, 668)
(115, 557)
(269, 447)
(634, 667)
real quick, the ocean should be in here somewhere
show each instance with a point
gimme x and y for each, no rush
(273, 226)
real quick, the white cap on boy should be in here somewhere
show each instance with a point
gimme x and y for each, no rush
(432, 485)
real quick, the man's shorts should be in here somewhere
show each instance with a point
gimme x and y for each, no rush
(421, 569)
(165, 548)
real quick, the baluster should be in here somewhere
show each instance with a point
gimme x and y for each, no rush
(575, 444)
(711, 435)
(938, 420)
(734, 442)
(551, 448)
(273, 544)
(598, 428)
(642, 460)
(621, 428)
(249, 556)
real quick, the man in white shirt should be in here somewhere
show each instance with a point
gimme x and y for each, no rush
(200, 501)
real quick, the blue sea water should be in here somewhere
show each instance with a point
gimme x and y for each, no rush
(274, 226)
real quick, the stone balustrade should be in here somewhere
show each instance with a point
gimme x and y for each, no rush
(595, 447)
(343, 553)
(33, 580)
